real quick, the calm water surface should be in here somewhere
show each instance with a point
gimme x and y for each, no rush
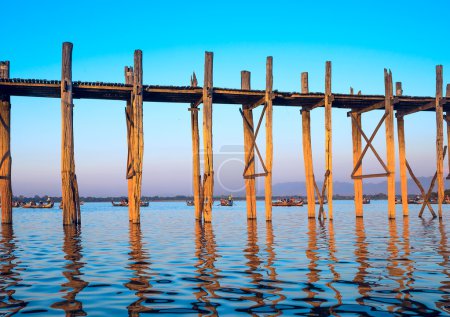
(171, 265)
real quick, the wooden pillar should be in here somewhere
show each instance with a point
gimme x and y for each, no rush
(439, 139)
(328, 140)
(70, 198)
(5, 150)
(447, 119)
(390, 145)
(402, 155)
(357, 182)
(208, 180)
(249, 157)
(137, 138)
(130, 132)
(196, 177)
(307, 151)
(269, 139)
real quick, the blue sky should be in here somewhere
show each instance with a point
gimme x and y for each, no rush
(360, 38)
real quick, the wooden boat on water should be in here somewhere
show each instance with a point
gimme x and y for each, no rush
(190, 202)
(366, 200)
(398, 201)
(415, 201)
(125, 204)
(33, 205)
(292, 202)
(226, 202)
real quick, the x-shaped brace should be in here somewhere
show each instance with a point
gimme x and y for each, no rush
(369, 145)
(425, 196)
(254, 146)
(321, 195)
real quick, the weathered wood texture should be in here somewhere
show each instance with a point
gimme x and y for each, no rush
(402, 163)
(5, 150)
(357, 148)
(269, 137)
(328, 139)
(439, 139)
(129, 76)
(137, 139)
(70, 197)
(307, 151)
(249, 152)
(196, 177)
(208, 178)
(390, 144)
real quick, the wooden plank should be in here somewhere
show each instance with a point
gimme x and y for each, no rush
(328, 139)
(249, 152)
(357, 149)
(427, 106)
(375, 106)
(196, 176)
(402, 163)
(390, 145)
(375, 175)
(439, 139)
(269, 138)
(208, 168)
(5, 150)
(137, 138)
(130, 131)
(70, 199)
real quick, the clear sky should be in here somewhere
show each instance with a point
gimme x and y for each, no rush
(361, 38)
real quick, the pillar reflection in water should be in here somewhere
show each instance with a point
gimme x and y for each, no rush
(207, 274)
(361, 256)
(140, 265)
(332, 260)
(72, 272)
(313, 275)
(9, 273)
(444, 303)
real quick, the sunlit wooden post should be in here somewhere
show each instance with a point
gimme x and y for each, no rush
(390, 144)
(196, 178)
(357, 182)
(137, 136)
(269, 138)
(307, 151)
(402, 154)
(447, 119)
(439, 139)
(70, 198)
(5, 150)
(129, 75)
(328, 139)
(208, 180)
(249, 152)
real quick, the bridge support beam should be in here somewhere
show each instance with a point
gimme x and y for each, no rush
(269, 138)
(208, 178)
(129, 77)
(249, 151)
(136, 139)
(357, 182)
(5, 150)
(390, 144)
(70, 197)
(439, 139)
(328, 140)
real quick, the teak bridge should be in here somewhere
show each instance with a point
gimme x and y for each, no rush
(134, 93)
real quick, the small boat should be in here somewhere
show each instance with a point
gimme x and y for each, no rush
(227, 202)
(17, 204)
(41, 205)
(292, 202)
(398, 201)
(366, 200)
(124, 203)
(415, 201)
(190, 202)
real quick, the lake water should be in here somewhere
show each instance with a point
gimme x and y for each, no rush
(171, 265)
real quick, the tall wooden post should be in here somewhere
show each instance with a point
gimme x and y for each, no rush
(5, 150)
(307, 151)
(439, 139)
(137, 137)
(328, 139)
(249, 157)
(196, 178)
(130, 132)
(390, 145)
(269, 139)
(402, 155)
(447, 119)
(357, 182)
(208, 180)
(70, 198)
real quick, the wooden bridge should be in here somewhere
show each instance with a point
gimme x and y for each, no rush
(134, 93)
